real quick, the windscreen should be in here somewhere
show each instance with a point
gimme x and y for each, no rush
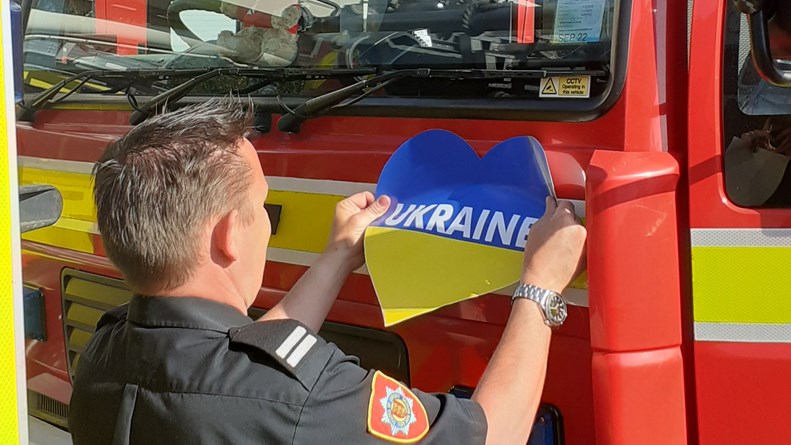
(571, 39)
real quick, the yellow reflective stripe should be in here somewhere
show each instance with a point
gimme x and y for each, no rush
(78, 221)
(741, 284)
(76, 189)
(58, 236)
(305, 220)
(13, 426)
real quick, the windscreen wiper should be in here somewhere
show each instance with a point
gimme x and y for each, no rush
(44, 98)
(26, 111)
(292, 120)
(162, 100)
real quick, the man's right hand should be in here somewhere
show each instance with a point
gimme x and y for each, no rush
(510, 389)
(554, 253)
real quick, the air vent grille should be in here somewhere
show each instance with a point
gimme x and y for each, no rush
(86, 297)
(47, 409)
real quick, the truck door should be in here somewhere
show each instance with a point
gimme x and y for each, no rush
(740, 219)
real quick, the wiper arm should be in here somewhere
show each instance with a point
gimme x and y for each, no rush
(26, 111)
(44, 98)
(179, 91)
(171, 95)
(292, 120)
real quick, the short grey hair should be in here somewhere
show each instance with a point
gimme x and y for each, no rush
(158, 186)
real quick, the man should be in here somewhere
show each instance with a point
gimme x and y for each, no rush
(180, 208)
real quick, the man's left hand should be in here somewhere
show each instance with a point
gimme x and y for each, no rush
(352, 216)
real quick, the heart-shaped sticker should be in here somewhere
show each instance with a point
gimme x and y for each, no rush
(458, 223)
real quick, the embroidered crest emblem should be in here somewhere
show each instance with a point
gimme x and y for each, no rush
(395, 414)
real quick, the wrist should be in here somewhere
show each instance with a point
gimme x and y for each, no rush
(551, 303)
(339, 258)
(544, 283)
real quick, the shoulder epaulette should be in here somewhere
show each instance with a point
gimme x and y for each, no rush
(301, 352)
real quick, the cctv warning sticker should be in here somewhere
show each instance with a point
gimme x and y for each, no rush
(565, 86)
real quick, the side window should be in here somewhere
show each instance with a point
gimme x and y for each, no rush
(757, 122)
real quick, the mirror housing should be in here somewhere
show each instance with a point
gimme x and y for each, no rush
(39, 206)
(770, 33)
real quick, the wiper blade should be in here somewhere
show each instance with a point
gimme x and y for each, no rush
(26, 111)
(293, 119)
(44, 98)
(160, 101)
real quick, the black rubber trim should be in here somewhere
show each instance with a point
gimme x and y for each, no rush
(761, 53)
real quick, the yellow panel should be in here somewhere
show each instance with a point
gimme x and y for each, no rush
(80, 241)
(742, 284)
(9, 414)
(415, 273)
(305, 220)
(76, 189)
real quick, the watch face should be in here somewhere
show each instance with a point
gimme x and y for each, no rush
(556, 310)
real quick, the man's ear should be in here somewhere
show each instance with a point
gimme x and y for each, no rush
(224, 242)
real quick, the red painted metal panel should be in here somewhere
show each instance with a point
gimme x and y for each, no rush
(463, 335)
(641, 125)
(633, 259)
(639, 398)
(633, 268)
(744, 392)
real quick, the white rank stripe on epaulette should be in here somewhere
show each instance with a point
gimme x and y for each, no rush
(291, 354)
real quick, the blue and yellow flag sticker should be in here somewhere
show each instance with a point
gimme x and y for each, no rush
(458, 223)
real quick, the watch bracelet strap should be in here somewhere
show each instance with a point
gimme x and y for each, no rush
(531, 292)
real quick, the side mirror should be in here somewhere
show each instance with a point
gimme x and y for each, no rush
(39, 206)
(759, 13)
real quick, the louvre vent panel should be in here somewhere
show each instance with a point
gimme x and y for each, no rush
(86, 297)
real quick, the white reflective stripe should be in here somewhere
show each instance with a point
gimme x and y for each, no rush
(301, 350)
(743, 332)
(291, 340)
(741, 237)
(60, 165)
(318, 186)
(299, 257)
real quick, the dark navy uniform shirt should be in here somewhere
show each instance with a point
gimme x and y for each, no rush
(193, 371)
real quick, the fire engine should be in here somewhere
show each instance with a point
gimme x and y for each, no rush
(665, 118)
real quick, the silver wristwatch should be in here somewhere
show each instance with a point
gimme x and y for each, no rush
(552, 304)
